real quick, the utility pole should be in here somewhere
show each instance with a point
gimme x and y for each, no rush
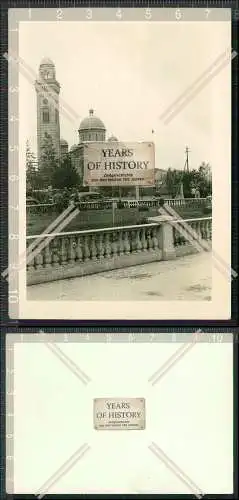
(186, 165)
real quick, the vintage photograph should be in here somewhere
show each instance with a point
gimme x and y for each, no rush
(122, 179)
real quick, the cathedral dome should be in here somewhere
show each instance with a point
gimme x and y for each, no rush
(91, 122)
(46, 61)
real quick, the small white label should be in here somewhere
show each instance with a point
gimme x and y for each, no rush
(119, 414)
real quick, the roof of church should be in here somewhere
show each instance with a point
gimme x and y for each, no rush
(91, 122)
(112, 139)
(63, 141)
(48, 61)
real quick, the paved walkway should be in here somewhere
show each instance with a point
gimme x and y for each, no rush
(186, 278)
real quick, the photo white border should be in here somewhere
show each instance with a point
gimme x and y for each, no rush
(219, 308)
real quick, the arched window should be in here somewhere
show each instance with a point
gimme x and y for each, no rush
(45, 115)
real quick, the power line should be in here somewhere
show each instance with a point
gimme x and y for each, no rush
(186, 165)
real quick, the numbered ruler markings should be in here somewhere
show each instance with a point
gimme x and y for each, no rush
(120, 14)
(121, 337)
(119, 414)
(13, 169)
(10, 416)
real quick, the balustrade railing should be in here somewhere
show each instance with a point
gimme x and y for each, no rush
(83, 246)
(107, 204)
(192, 230)
(76, 248)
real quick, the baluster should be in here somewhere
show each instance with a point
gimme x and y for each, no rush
(71, 250)
(205, 226)
(86, 250)
(127, 246)
(176, 237)
(194, 234)
(115, 244)
(200, 230)
(39, 260)
(150, 241)
(121, 243)
(197, 229)
(79, 252)
(93, 249)
(64, 250)
(101, 248)
(208, 230)
(107, 245)
(55, 252)
(133, 241)
(143, 240)
(138, 242)
(209, 227)
(47, 256)
(155, 238)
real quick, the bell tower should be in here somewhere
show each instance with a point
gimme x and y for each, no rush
(47, 91)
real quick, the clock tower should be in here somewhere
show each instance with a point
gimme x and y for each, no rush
(47, 90)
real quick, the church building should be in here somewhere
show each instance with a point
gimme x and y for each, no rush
(91, 129)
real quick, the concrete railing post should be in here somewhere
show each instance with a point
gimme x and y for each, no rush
(167, 240)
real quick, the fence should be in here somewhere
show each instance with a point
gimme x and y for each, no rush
(71, 254)
(107, 204)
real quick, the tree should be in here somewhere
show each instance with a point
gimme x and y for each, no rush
(48, 162)
(205, 185)
(200, 179)
(203, 180)
(172, 181)
(31, 169)
(65, 175)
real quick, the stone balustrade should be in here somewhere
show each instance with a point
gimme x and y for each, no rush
(71, 254)
(201, 229)
(107, 204)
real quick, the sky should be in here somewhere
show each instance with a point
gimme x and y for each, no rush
(129, 73)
